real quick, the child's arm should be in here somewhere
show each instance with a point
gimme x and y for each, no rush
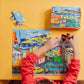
(74, 67)
(27, 68)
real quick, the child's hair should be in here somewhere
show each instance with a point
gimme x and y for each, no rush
(15, 82)
(45, 81)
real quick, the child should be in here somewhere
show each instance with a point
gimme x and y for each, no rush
(27, 68)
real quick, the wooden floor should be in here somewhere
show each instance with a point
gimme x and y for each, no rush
(7, 82)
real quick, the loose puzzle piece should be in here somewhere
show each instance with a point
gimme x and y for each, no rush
(65, 38)
(18, 17)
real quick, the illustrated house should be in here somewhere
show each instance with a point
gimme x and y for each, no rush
(41, 59)
(17, 57)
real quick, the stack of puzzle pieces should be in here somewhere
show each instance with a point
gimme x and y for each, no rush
(18, 17)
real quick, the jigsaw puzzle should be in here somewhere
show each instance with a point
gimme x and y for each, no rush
(65, 17)
(52, 62)
(18, 17)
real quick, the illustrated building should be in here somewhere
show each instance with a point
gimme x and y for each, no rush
(15, 38)
(41, 59)
(17, 57)
(27, 52)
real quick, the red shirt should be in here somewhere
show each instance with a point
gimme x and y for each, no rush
(27, 71)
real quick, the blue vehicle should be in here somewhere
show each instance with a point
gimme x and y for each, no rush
(55, 67)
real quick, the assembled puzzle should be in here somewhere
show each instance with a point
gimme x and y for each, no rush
(18, 17)
(65, 17)
(52, 62)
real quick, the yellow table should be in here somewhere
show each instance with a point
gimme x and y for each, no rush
(37, 16)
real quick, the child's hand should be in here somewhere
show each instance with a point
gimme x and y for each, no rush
(74, 45)
(51, 43)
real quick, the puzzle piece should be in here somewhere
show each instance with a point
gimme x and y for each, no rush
(18, 17)
(65, 38)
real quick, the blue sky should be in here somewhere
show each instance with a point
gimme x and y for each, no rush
(63, 8)
(24, 33)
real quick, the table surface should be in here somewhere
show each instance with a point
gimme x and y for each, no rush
(37, 16)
